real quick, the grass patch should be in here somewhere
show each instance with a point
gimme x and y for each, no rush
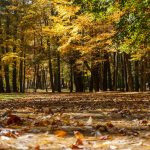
(11, 96)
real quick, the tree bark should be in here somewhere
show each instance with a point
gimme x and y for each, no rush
(78, 80)
(71, 78)
(143, 80)
(105, 72)
(1, 71)
(137, 84)
(21, 76)
(96, 78)
(50, 67)
(129, 72)
(115, 71)
(58, 73)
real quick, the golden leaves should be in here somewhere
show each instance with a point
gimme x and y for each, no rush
(9, 57)
(66, 11)
(60, 133)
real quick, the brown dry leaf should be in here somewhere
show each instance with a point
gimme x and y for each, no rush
(13, 119)
(78, 135)
(37, 147)
(144, 122)
(79, 142)
(9, 134)
(60, 133)
(75, 147)
(109, 124)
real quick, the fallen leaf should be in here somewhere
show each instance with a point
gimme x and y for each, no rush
(60, 133)
(106, 137)
(13, 119)
(78, 135)
(144, 122)
(90, 121)
(75, 147)
(79, 142)
(37, 147)
(109, 124)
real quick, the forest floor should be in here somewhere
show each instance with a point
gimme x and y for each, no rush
(89, 121)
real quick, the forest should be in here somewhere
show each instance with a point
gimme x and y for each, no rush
(74, 45)
(74, 75)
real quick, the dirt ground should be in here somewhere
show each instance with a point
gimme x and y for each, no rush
(88, 121)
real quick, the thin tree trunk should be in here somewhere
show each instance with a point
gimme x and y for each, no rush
(58, 73)
(1, 51)
(1, 83)
(14, 76)
(122, 73)
(105, 72)
(21, 76)
(6, 66)
(24, 73)
(95, 76)
(143, 80)
(50, 66)
(34, 78)
(109, 74)
(91, 83)
(71, 78)
(137, 84)
(115, 72)
(129, 73)
(15, 89)
(1, 79)
(125, 73)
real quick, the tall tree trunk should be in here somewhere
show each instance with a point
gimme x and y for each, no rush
(122, 73)
(21, 66)
(35, 78)
(6, 66)
(115, 72)
(14, 74)
(6, 69)
(137, 84)
(109, 74)
(24, 72)
(7, 78)
(78, 79)
(58, 73)
(50, 66)
(105, 72)
(95, 68)
(143, 80)
(1, 71)
(71, 78)
(1, 79)
(125, 72)
(15, 89)
(129, 73)
(21, 75)
(91, 83)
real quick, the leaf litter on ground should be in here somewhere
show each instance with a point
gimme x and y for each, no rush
(81, 121)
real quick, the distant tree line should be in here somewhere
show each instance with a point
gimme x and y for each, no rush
(73, 45)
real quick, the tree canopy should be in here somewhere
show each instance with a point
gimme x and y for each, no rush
(81, 44)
